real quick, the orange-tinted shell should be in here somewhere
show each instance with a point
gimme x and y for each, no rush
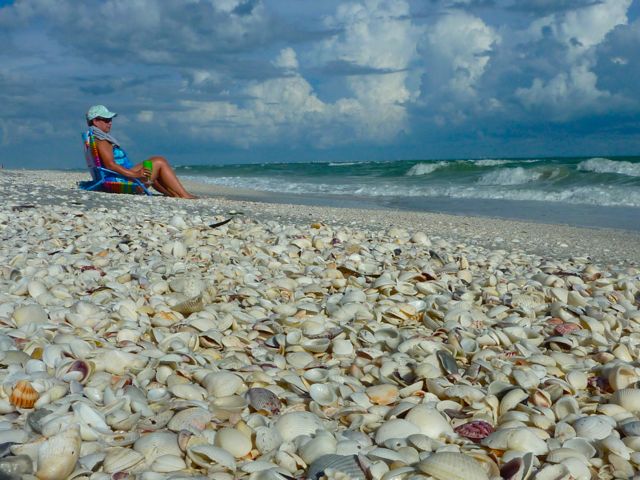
(24, 395)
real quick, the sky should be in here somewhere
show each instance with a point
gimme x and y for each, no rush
(234, 81)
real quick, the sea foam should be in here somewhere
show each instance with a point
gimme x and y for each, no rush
(509, 176)
(604, 165)
(426, 168)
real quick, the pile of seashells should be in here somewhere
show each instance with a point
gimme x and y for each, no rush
(167, 349)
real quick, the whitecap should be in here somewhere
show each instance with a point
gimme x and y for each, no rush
(425, 168)
(605, 165)
(509, 176)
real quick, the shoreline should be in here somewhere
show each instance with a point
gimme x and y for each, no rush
(604, 246)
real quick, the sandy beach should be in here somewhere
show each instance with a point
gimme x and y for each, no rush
(306, 341)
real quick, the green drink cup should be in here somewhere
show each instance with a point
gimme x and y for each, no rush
(148, 165)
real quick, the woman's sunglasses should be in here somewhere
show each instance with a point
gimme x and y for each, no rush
(107, 120)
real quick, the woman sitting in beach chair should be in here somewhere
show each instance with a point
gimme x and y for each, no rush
(161, 176)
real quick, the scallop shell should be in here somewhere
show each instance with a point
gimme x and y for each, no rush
(293, 424)
(263, 399)
(192, 305)
(193, 419)
(57, 456)
(267, 439)
(475, 430)
(452, 466)
(119, 459)
(595, 427)
(168, 463)
(627, 398)
(323, 394)
(155, 444)
(348, 465)
(24, 395)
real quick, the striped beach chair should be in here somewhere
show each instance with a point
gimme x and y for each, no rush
(103, 179)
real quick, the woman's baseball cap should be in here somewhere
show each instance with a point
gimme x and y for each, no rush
(99, 111)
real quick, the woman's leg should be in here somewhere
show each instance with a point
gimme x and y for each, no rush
(164, 177)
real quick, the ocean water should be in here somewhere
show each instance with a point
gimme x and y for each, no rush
(590, 191)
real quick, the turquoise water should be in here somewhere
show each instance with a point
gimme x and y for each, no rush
(582, 187)
(591, 181)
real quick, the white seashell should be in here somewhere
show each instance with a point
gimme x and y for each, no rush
(316, 375)
(207, 456)
(627, 398)
(396, 428)
(168, 463)
(293, 424)
(323, 394)
(324, 443)
(429, 421)
(452, 466)
(595, 427)
(577, 379)
(614, 445)
(511, 400)
(188, 391)
(28, 314)
(577, 468)
(383, 394)
(222, 384)
(267, 439)
(193, 419)
(155, 444)
(520, 439)
(342, 348)
(622, 376)
(553, 472)
(581, 445)
(36, 288)
(336, 466)
(57, 456)
(119, 459)
(233, 441)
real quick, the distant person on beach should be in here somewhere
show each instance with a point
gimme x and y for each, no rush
(161, 176)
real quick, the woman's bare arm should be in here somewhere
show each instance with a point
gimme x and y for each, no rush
(105, 151)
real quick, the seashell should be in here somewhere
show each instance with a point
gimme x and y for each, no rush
(553, 472)
(120, 459)
(384, 394)
(348, 465)
(429, 421)
(29, 314)
(341, 347)
(452, 466)
(631, 429)
(267, 439)
(155, 444)
(595, 427)
(293, 424)
(193, 419)
(168, 464)
(475, 430)
(447, 362)
(262, 399)
(520, 439)
(58, 455)
(188, 391)
(316, 375)
(23, 395)
(323, 443)
(517, 469)
(222, 384)
(396, 428)
(511, 400)
(206, 456)
(233, 441)
(323, 394)
(622, 376)
(627, 398)
(581, 445)
(192, 305)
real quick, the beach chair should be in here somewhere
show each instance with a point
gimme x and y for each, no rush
(103, 179)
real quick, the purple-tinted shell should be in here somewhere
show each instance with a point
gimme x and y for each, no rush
(475, 430)
(264, 399)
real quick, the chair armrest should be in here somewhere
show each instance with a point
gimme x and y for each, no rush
(106, 170)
